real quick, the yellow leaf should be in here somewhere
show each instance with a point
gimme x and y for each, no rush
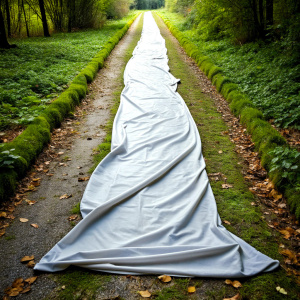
(281, 290)
(236, 284)
(228, 281)
(23, 220)
(27, 258)
(227, 222)
(164, 278)
(31, 280)
(145, 294)
(34, 225)
(3, 214)
(191, 289)
(31, 264)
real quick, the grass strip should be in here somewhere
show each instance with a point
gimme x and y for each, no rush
(234, 204)
(272, 147)
(17, 156)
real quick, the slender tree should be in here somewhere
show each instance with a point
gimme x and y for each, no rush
(7, 9)
(269, 12)
(44, 19)
(3, 39)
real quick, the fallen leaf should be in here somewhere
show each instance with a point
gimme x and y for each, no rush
(63, 287)
(3, 214)
(2, 232)
(26, 290)
(290, 254)
(13, 292)
(282, 205)
(83, 178)
(281, 290)
(19, 282)
(31, 280)
(30, 202)
(60, 153)
(226, 186)
(34, 225)
(236, 284)
(236, 297)
(227, 222)
(164, 278)
(27, 258)
(65, 196)
(73, 217)
(191, 289)
(23, 220)
(220, 151)
(31, 264)
(145, 294)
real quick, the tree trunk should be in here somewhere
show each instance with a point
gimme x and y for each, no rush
(71, 14)
(269, 12)
(261, 13)
(8, 18)
(3, 39)
(26, 24)
(44, 19)
(257, 26)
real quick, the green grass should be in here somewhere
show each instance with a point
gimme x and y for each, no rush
(40, 68)
(268, 73)
(76, 284)
(234, 204)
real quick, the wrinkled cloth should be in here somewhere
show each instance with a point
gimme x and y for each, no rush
(148, 207)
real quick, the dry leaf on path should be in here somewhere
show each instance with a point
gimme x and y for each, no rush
(145, 294)
(30, 202)
(191, 289)
(164, 278)
(31, 280)
(31, 264)
(65, 196)
(26, 290)
(34, 225)
(227, 222)
(236, 297)
(83, 178)
(27, 258)
(23, 220)
(73, 217)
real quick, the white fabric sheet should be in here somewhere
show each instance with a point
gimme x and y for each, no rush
(148, 207)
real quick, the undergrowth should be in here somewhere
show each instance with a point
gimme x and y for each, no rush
(35, 72)
(267, 72)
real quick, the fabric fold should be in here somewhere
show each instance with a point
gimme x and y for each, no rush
(148, 207)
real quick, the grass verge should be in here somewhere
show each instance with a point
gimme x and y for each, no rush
(281, 162)
(234, 204)
(17, 156)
